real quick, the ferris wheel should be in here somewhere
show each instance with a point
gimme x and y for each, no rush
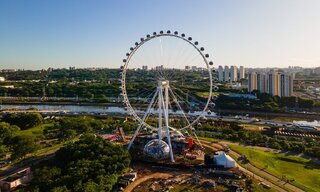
(167, 86)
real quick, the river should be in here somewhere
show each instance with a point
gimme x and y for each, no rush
(88, 109)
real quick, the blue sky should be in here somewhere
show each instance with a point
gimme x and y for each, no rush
(37, 34)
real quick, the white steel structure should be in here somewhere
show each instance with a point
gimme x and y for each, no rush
(170, 91)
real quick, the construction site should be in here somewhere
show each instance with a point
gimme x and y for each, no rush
(196, 166)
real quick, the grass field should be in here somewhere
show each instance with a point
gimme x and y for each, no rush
(306, 175)
(254, 127)
(34, 131)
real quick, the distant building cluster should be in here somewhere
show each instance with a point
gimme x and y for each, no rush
(194, 68)
(311, 71)
(232, 74)
(145, 67)
(159, 68)
(274, 83)
(9, 70)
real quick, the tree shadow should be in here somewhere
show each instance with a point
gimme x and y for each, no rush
(312, 165)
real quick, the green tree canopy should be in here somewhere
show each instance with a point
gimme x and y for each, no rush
(24, 121)
(90, 164)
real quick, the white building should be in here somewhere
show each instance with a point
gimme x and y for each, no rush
(226, 73)
(262, 82)
(311, 126)
(241, 73)
(222, 159)
(194, 68)
(2, 79)
(286, 85)
(233, 74)
(220, 73)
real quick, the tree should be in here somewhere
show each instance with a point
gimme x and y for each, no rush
(24, 121)
(60, 189)
(7, 132)
(22, 145)
(91, 164)
(3, 151)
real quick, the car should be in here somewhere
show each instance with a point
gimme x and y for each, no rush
(265, 185)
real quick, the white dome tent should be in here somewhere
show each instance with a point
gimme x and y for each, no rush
(222, 159)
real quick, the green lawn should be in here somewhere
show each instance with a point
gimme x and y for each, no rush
(35, 131)
(206, 94)
(202, 94)
(305, 174)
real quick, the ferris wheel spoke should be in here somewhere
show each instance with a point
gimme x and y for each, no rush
(178, 105)
(146, 98)
(175, 117)
(186, 101)
(184, 115)
(187, 94)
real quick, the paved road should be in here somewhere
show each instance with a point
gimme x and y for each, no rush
(257, 170)
(11, 169)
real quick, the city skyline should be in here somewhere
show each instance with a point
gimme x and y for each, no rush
(42, 34)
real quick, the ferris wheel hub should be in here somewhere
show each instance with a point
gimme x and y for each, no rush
(163, 83)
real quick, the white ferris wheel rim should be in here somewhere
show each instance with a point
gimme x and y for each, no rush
(127, 61)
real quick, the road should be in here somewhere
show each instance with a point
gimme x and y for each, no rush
(7, 171)
(140, 180)
(306, 115)
(254, 169)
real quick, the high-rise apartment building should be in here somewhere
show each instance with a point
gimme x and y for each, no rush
(220, 73)
(159, 68)
(252, 81)
(226, 73)
(273, 83)
(286, 85)
(233, 74)
(145, 67)
(241, 72)
(262, 82)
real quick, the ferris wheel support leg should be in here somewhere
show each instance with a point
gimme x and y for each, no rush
(166, 121)
(143, 119)
(160, 116)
